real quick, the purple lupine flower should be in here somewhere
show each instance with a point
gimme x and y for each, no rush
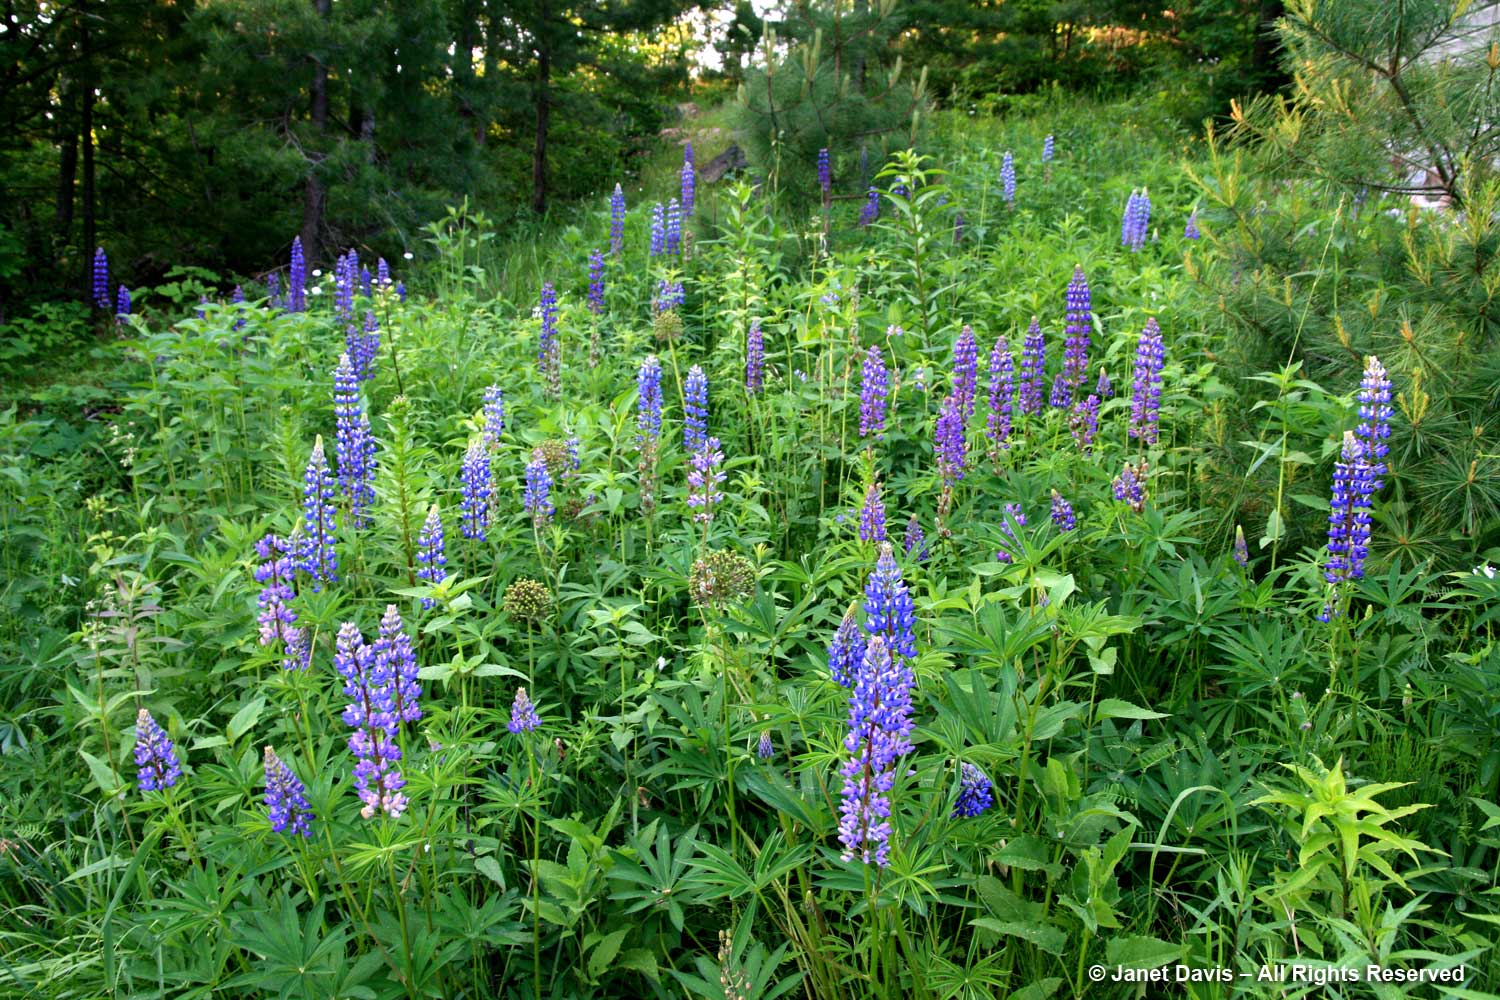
(825, 173)
(431, 551)
(1083, 421)
(914, 540)
(1080, 323)
(238, 301)
(396, 667)
(873, 387)
(949, 441)
(296, 281)
(617, 222)
(765, 749)
(101, 279)
(755, 358)
(689, 180)
(366, 281)
(286, 798)
(674, 227)
(537, 494)
(362, 344)
(1130, 486)
(1349, 512)
(1145, 388)
(966, 371)
(354, 448)
(958, 227)
(879, 734)
(494, 416)
(871, 210)
(596, 282)
(1062, 395)
(317, 557)
(872, 516)
(547, 339)
(889, 610)
(277, 621)
(1104, 388)
(1008, 179)
(1047, 149)
(1011, 519)
(704, 477)
(648, 402)
(371, 714)
(669, 295)
(122, 304)
(401, 292)
(1375, 416)
(477, 487)
(974, 789)
(1190, 229)
(273, 291)
(382, 274)
(1241, 550)
(155, 755)
(201, 311)
(345, 273)
(1062, 513)
(846, 650)
(523, 717)
(658, 230)
(1137, 221)
(1033, 361)
(694, 410)
(899, 189)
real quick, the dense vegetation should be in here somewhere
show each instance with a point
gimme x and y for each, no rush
(1065, 544)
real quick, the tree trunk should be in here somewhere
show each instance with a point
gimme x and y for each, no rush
(67, 163)
(543, 115)
(1265, 68)
(86, 130)
(314, 197)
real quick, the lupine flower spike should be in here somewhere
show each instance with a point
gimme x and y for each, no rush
(1190, 229)
(476, 483)
(914, 542)
(1033, 361)
(101, 279)
(277, 621)
(1375, 416)
(296, 284)
(889, 609)
(617, 222)
(871, 211)
(846, 650)
(494, 416)
(396, 668)
(874, 385)
(1354, 485)
(755, 358)
(371, 714)
(122, 304)
(974, 792)
(155, 755)
(354, 447)
(695, 410)
(878, 736)
(316, 555)
(1002, 396)
(596, 282)
(1008, 179)
(966, 371)
(1145, 389)
(537, 498)
(704, 477)
(286, 798)
(1062, 513)
(872, 516)
(765, 749)
(1241, 550)
(825, 174)
(523, 717)
(1080, 324)
(1011, 519)
(658, 230)
(431, 554)
(689, 180)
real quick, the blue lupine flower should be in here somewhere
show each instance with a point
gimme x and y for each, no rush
(958, 227)
(431, 551)
(354, 447)
(382, 274)
(1145, 389)
(101, 279)
(1375, 415)
(547, 338)
(689, 180)
(765, 749)
(873, 388)
(362, 343)
(238, 301)
(286, 798)
(1002, 396)
(1062, 513)
(1079, 325)
(401, 292)
(658, 230)
(396, 667)
(825, 173)
(617, 222)
(276, 620)
(494, 416)
(1062, 395)
(345, 273)
(669, 295)
(879, 731)
(537, 494)
(1104, 388)
(871, 211)
(1033, 361)
(704, 477)
(872, 516)
(273, 291)
(648, 402)
(371, 714)
(1047, 149)
(477, 488)
(1130, 486)
(974, 795)
(694, 410)
(966, 371)
(155, 755)
(317, 557)
(296, 282)
(755, 358)
(674, 227)
(366, 282)
(1011, 519)
(1349, 512)
(949, 441)
(122, 304)
(1137, 221)
(523, 717)
(846, 650)
(1241, 550)
(1008, 179)
(1083, 421)
(201, 310)
(1190, 229)
(889, 610)
(914, 540)
(596, 282)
